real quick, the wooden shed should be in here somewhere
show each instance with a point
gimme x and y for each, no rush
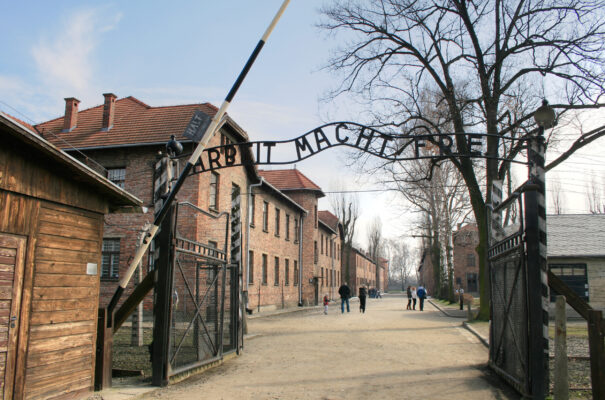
(51, 232)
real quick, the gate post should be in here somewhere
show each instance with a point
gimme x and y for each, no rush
(162, 302)
(537, 282)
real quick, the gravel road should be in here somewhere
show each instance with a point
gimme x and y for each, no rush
(386, 353)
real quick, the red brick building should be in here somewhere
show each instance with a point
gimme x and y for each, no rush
(123, 140)
(362, 270)
(319, 239)
(295, 254)
(466, 259)
(273, 247)
(331, 234)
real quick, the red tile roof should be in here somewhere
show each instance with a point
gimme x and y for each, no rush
(135, 123)
(289, 179)
(17, 120)
(329, 219)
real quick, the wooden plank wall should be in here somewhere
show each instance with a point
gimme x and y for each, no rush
(26, 171)
(62, 331)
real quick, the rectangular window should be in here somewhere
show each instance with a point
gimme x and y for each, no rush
(471, 282)
(574, 275)
(287, 226)
(295, 273)
(251, 208)
(276, 281)
(265, 216)
(470, 260)
(117, 176)
(315, 214)
(213, 201)
(110, 258)
(296, 230)
(287, 272)
(250, 267)
(322, 277)
(264, 281)
(315, 255)
(277, 216)
(322, 243)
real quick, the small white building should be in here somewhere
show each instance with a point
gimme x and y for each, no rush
(576, 254)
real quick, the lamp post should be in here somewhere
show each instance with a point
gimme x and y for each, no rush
(535, 236)
(545, 116)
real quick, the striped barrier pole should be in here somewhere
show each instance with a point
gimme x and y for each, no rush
(537, 280)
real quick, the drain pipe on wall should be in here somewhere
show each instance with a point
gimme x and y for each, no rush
(300, 261)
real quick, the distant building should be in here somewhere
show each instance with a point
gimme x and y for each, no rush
(466, 259)
(576, 254)
(362, 270)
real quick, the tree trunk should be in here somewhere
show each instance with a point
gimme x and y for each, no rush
(484, 281)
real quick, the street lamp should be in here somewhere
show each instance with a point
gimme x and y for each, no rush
(545, 116)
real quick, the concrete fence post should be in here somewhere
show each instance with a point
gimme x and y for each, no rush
(469, 311)
(561, 389)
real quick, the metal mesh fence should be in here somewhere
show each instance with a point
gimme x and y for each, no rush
(509, 336)
(195, 330)
(509, 347)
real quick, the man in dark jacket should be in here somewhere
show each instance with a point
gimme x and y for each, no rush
(421, 292)
(345, 292)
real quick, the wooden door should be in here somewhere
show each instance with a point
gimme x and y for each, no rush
(12, 257)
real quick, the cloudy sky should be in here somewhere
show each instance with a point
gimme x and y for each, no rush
(179, 53)
(169, 53)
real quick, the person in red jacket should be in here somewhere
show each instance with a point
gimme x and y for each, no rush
(326, 302)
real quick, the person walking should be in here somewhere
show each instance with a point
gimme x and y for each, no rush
(421, 295)
(345, 292)
(362, 299)
(414, 297)
(409, 292)
(326, 302)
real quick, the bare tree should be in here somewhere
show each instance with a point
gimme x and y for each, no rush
(376, 245)
(442, 203)
(482, 61)
(595, 195)
(401, 262)
(346, 207)
(557, 196)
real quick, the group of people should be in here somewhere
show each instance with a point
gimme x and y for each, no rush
(414, 295)
(345, 294)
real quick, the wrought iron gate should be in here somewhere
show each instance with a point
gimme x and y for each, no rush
(509, 351)
(518, 282)
(204, 307)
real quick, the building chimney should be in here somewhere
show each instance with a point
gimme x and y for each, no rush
(109, 110)
(70, 121)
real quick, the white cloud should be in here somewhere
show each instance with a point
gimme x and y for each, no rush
(65, 59)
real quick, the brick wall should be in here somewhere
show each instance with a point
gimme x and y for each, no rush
(466, 260)
(328, 263)
(271, 244)
(311, 271)
(362, 271)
